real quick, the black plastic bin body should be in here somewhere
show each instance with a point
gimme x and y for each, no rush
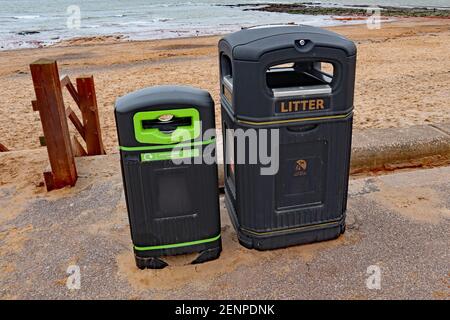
(272, 78)
(173, 208)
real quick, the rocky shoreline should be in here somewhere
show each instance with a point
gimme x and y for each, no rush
(360, 10)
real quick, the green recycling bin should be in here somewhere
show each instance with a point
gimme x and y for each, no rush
(172, 198)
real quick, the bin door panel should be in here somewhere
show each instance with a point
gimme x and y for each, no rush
(173, 195)
(171, 204)
(302, 175)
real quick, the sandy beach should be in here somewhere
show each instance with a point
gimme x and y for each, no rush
(397, 195)
(403, 75)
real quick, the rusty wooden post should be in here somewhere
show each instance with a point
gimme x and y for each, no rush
(3, 148)
(89, 111)
(76, 122)
(77, 148)
(65, 82)
(47, 87)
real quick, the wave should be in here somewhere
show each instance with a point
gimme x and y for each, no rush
(24, 17)
(126, 15)
(148, 22)
(162, 19)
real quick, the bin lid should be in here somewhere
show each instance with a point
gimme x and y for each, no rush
(251, 44)
(163, 115)
(162, 95)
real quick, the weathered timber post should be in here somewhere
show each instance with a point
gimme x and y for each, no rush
(49, 102)
(89, 111)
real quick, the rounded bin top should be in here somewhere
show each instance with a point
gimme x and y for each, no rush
(158, 96)
(163, 115)
(251, 44)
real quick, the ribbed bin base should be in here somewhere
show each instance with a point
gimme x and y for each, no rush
(285, 238)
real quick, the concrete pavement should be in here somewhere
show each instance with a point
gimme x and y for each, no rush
(398, 227)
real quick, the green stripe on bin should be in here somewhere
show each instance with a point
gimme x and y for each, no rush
(170, 155)
(171, 146)
(177, 245)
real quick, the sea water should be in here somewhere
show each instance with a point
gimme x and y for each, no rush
(34, 23)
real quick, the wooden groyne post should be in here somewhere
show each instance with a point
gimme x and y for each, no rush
(49, 102)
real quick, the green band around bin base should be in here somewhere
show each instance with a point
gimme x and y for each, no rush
(177, 245)
(169, 146)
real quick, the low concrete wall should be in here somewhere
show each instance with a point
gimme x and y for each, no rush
(372, 149)
(378, 149)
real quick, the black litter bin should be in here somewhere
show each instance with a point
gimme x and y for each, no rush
(299, 80)
(173, 208)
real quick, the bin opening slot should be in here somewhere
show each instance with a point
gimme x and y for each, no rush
(167, 124)
(228, 82)
(226, 71)
(300, 78)
(226, 68)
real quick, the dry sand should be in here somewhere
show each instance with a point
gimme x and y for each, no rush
(403, 75)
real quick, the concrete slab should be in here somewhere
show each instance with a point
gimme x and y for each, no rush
(378, 148)
(397, 224)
